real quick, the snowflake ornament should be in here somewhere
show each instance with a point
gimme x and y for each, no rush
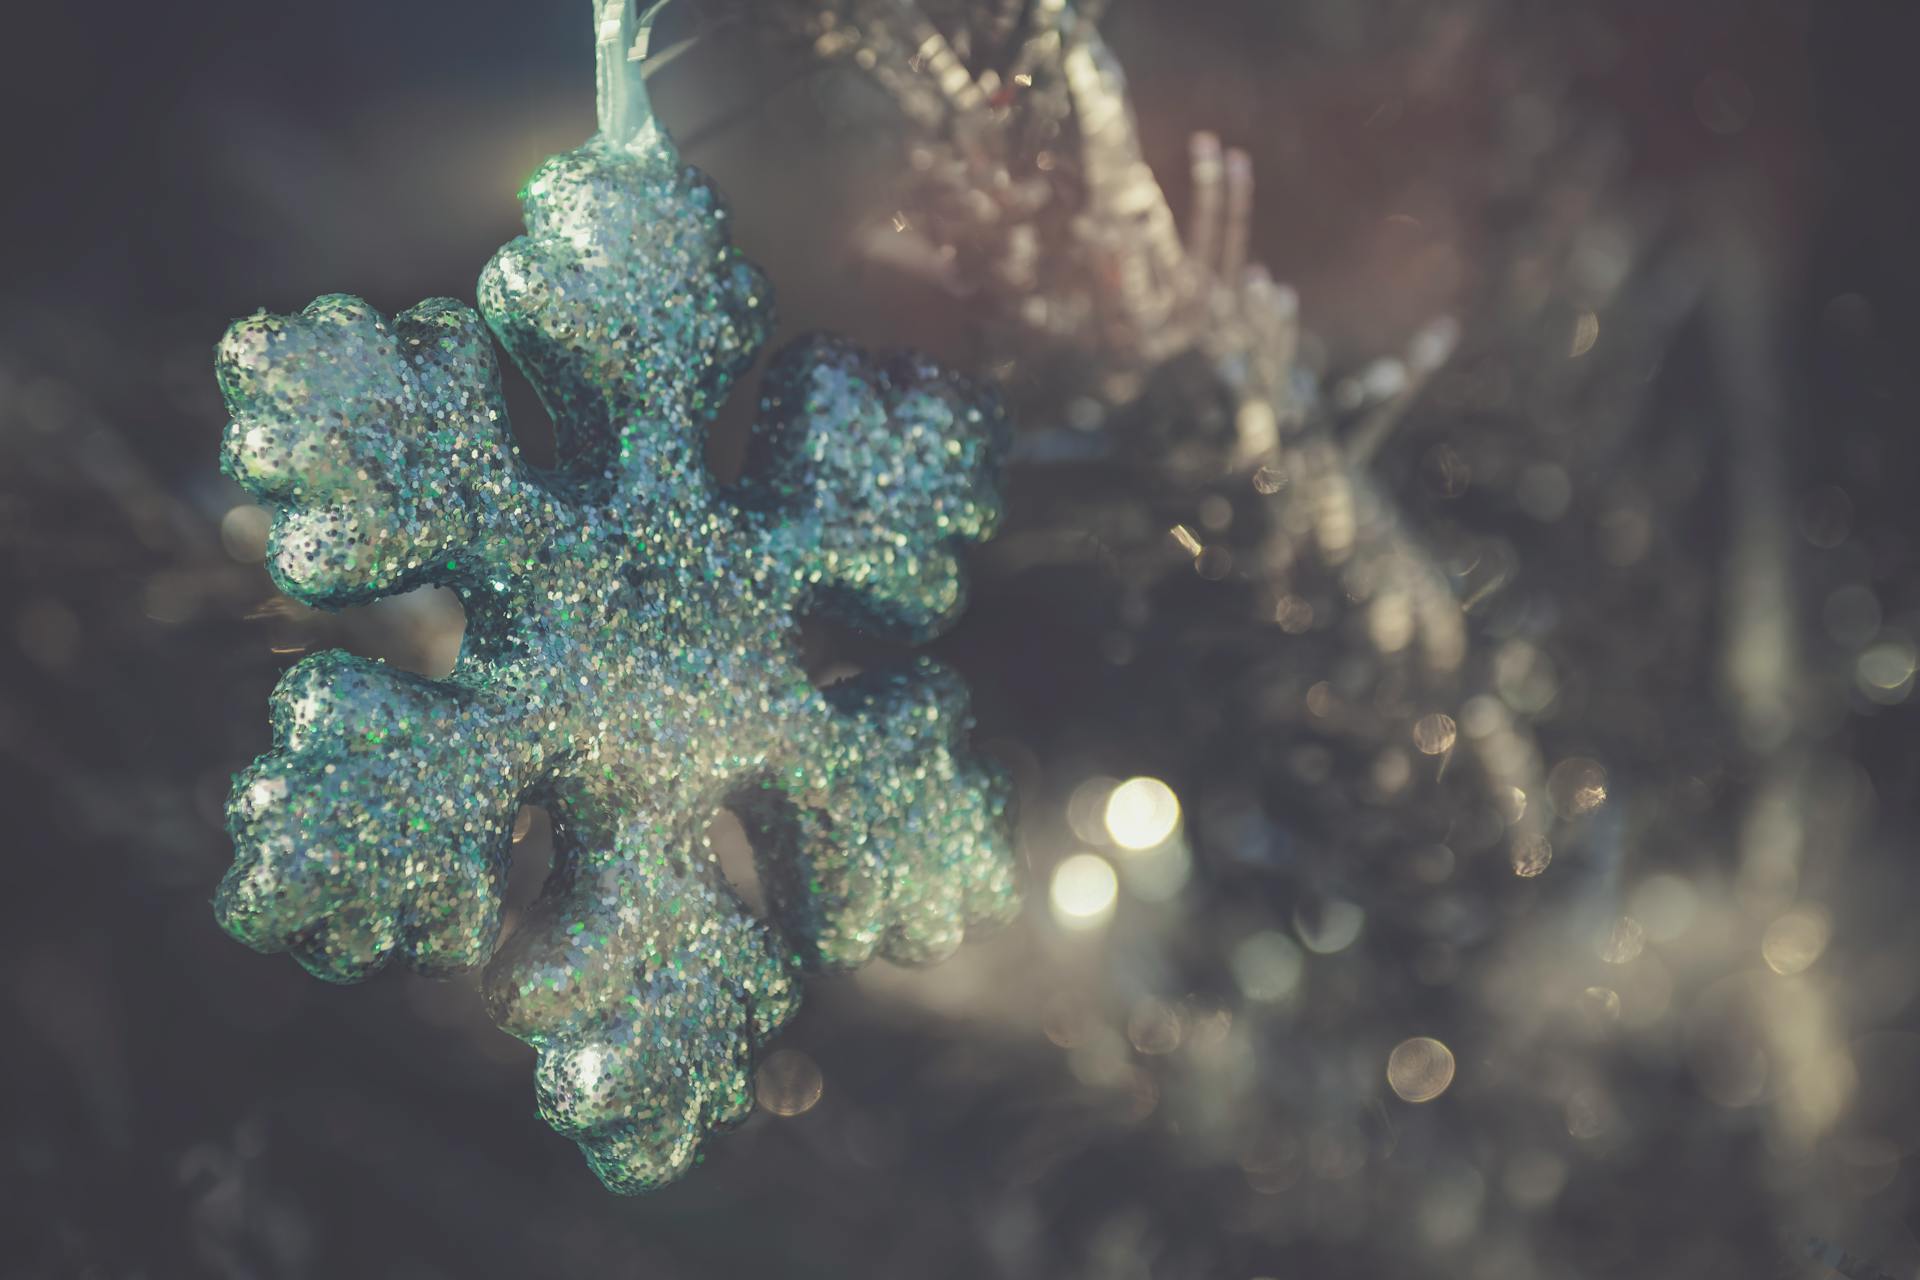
(630, 660)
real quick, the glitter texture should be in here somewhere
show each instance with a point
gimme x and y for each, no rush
(630, 660)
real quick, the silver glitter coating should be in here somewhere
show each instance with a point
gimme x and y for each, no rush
(630, 659)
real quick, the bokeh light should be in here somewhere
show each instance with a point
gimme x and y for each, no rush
(1795, 940)
(1434, 733)
(1329, 927)
(1267, 965)
(1531, 854)
(1083, 891)
(788, 1082)
(1142, 813)
(1577, 786)
(1885, 671)
(1420, 1069)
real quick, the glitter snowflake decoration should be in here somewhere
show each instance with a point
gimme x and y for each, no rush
(630, 659)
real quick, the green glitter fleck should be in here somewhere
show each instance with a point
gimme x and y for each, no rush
(630, 659)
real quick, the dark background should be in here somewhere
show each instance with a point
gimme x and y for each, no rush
(176, 1105)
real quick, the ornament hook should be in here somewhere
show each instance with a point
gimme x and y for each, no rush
(622, 31)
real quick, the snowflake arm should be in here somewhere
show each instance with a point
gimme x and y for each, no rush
(359, 835)
(383, 445)
(890, 837)
(629, 961)
(627, 306)
(869, 476)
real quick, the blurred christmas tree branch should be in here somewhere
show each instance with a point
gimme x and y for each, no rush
(1030, 194)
